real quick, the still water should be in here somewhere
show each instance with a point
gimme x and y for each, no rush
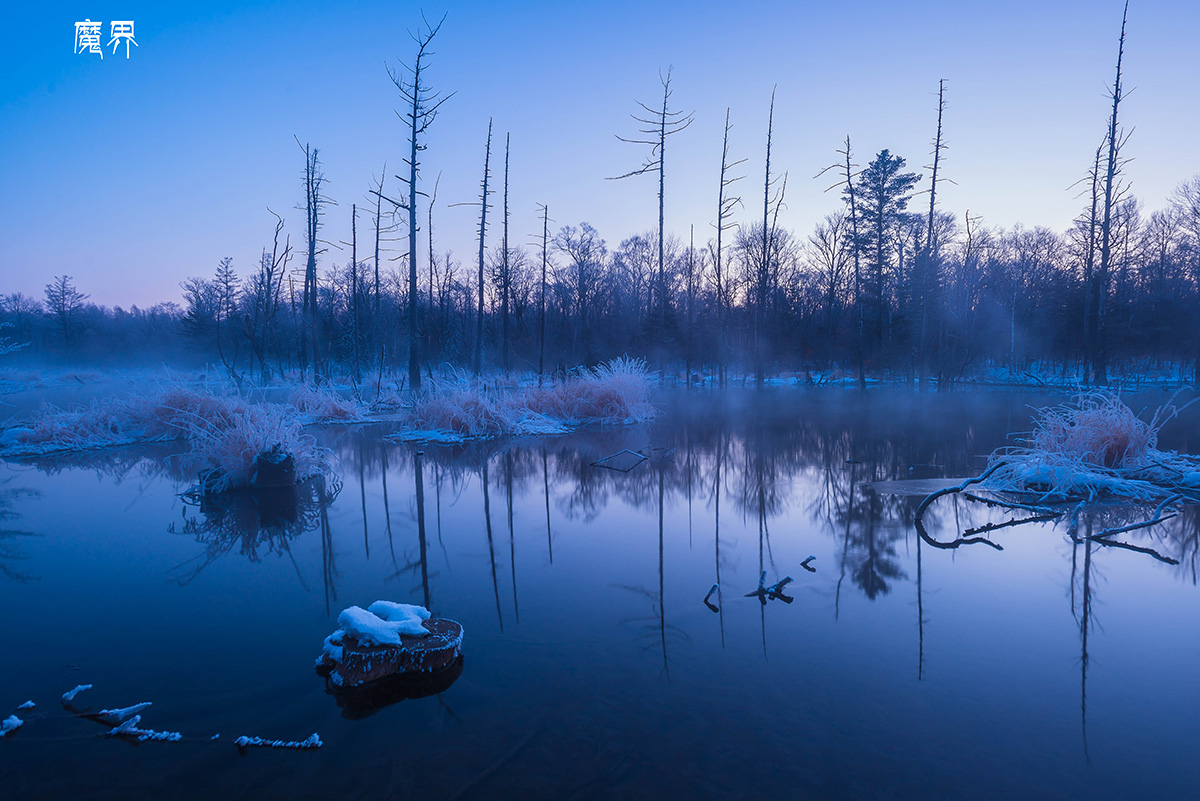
(593, 666)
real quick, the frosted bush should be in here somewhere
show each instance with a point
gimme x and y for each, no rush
(614, 393)
(1095, 446)
(323, 405)
(225, 433)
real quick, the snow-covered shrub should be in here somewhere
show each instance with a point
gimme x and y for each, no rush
(613, 393)
(1095, 446)
(323, 405)
(226, 434)
(231, 450)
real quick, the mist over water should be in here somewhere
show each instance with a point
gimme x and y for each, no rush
(593, 668)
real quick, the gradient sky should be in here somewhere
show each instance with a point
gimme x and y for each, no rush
(133, 174)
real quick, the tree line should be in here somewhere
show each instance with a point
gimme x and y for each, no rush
(879, 286)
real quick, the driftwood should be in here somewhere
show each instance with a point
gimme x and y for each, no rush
(774, 592)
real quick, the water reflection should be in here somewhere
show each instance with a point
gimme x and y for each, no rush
(597, 621)
(11, 550)
(256, 524)
(363, 701)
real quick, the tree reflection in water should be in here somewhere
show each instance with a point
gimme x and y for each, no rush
(10, 548)
(258, 523)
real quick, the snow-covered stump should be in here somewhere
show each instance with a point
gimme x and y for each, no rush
(388, 639)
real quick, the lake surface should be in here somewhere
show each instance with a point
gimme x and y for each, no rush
(593, 667)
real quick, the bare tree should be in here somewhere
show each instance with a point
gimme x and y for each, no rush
(264, 296)
(927, 261)
(763, 272)
(661, 123)
(542, 295)
(421, 106)
(483, 208)
(1116, 140)
(726, 203)
(314, 203)
(848, 182)
(506, 271)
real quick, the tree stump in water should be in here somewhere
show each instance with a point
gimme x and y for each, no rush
(349, 663)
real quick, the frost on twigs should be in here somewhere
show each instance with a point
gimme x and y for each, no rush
(1092, 448)
(313, 741)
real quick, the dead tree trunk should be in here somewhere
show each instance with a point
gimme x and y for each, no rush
(483, 207)
(505, 276)
(1115, 141)
(542, 295)
(928, 260)
(725, 206)
(422, 105)
(661, 123)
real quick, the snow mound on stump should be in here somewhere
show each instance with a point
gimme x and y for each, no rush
(383, 622)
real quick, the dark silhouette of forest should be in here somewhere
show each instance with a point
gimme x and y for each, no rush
(886, 284)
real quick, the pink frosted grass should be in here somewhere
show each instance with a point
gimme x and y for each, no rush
(225, 432)
(323, 405)
(1096, 446)
(613, 393)
(232, 450)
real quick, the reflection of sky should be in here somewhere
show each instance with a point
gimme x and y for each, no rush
(835, 700)
(131, 174)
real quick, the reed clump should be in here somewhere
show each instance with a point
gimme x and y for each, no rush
(1095, 446)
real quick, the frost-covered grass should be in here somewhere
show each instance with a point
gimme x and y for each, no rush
(323, 405)
(225, 432)
(613, 393)
(1096, 446)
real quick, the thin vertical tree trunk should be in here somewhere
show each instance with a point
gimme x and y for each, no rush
(1100, 368)
(483, 207)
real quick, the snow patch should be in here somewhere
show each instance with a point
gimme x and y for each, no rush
(114, 717)
(69, 696)
(10, 723)
(383, 622)
(313, 741)
(130, 729)
(26, 705)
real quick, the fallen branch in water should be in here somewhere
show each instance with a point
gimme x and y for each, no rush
(1028, 507)
(1015, 522)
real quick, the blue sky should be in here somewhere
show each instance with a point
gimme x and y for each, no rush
(133, 174)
